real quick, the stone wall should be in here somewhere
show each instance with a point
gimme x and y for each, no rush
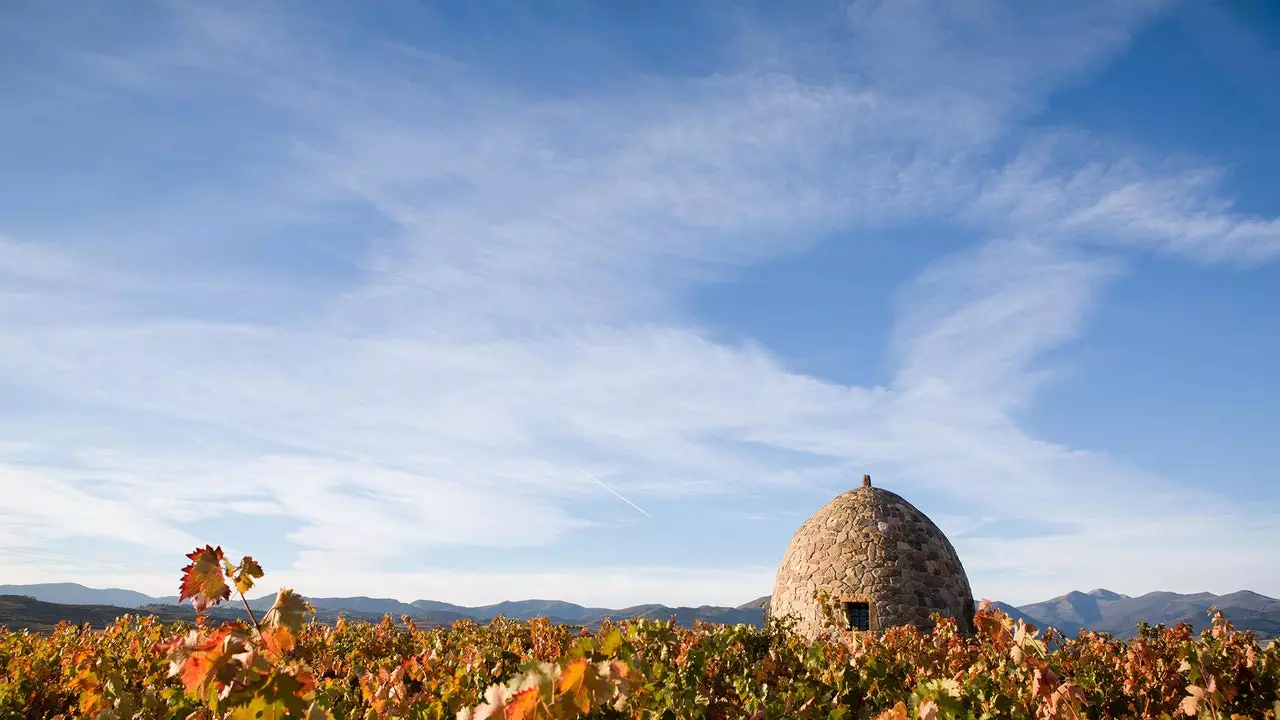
(869, 544)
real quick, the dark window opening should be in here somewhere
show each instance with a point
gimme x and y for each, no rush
(859, 615)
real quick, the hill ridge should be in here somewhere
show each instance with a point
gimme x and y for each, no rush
(1098, 609)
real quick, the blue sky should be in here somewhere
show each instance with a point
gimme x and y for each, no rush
(387, 298)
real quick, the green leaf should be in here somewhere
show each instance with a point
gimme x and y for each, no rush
(610, 643)
(246, 573)
(259, 709)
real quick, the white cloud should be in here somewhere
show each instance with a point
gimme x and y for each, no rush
(1069, 187)
(39, 507)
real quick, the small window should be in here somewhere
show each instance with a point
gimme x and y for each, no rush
(858, 614)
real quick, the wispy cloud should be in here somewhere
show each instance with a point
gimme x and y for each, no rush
(1068, 187)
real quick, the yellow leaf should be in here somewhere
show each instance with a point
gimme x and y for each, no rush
(572, 676)
(610, 642)
(288, 611)
(572, 682)
(245, 574)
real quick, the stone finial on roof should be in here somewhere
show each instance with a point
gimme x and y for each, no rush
(866, 481)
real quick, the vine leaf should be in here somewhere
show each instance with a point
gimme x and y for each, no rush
(200, 661)
(1191, 703)
(571, 683)
(277, 640)
(289, 611)
(897, 712)
(245, 573)
(202, 581)
(523, 706)
(609, 643)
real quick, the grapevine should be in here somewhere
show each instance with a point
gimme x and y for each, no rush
(286, 664)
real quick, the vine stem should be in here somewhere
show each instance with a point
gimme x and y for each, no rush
(257, 628)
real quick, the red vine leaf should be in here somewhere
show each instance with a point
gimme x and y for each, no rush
(201, 660)
(202, 581)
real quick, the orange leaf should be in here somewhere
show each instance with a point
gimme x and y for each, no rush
(989, 625)
(202, 581)
(277, 641)
(523, 705)
(572, 683)
(206, 658)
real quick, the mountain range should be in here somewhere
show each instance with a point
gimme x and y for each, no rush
(78, 601)
(38, 606)
(1107, 611)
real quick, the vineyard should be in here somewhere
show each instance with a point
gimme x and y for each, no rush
(284, 665)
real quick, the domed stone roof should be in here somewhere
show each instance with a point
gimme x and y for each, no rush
(880, 558)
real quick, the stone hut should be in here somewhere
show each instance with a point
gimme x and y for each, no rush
(880, 561)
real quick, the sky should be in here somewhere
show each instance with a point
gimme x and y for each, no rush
(600, 301)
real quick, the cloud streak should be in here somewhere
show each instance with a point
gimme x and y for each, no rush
(615, 493)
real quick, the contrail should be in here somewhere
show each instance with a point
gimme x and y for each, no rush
(615, 493)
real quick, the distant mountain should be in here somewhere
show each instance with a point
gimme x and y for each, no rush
(19, 612)
(515, 610)
(1017, 614)
(1098, 609)
(558, 611)
(1075, 609)
(1111, 612)
(363, 605)
(686, 616)
(526, 609)
(75, 594)
(422, 611)
(437, 606)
